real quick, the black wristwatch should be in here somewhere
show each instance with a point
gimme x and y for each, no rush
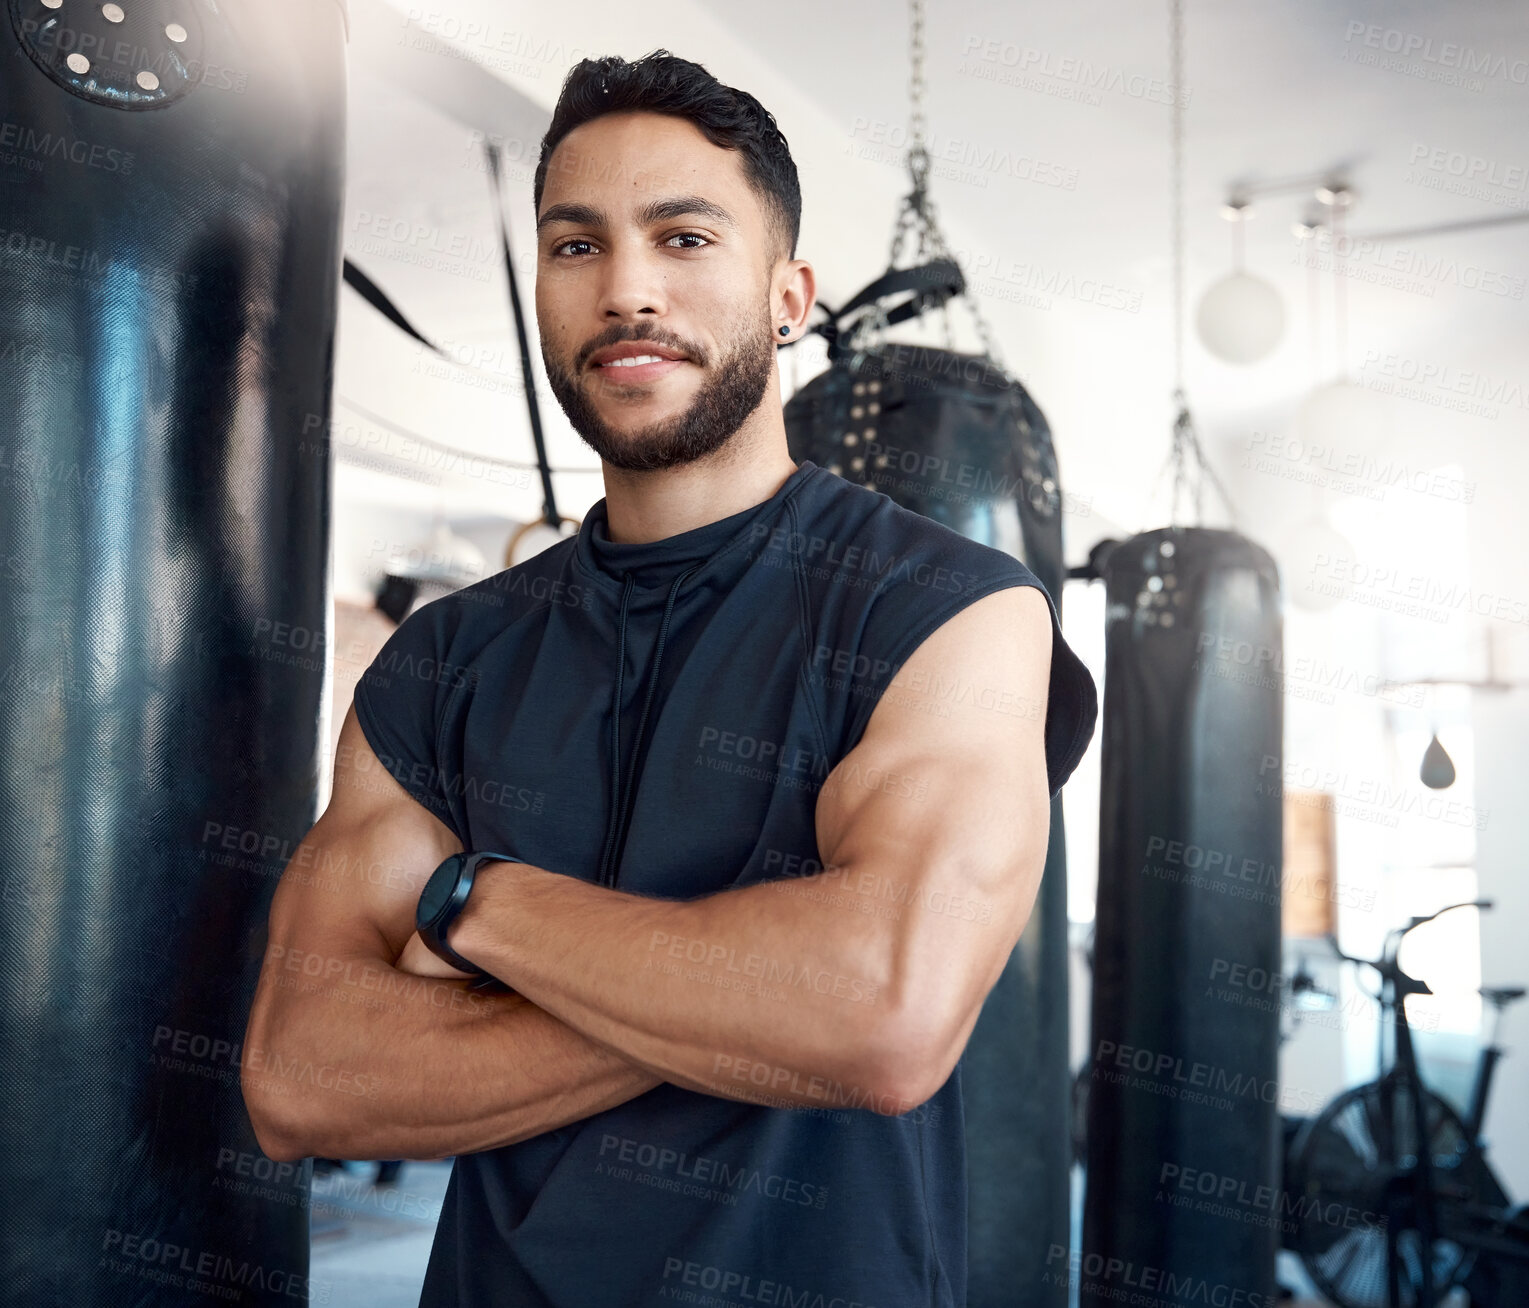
(443, 899)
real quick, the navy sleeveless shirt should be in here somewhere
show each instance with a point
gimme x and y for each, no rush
(659, 717)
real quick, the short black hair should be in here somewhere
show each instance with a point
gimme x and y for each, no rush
(661, 83)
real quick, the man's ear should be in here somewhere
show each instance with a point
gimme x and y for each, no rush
(796, 291)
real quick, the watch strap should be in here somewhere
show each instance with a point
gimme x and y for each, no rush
(434, 933)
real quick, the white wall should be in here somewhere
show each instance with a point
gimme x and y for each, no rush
(1500, 558)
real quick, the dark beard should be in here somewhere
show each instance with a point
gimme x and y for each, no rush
(734, 390)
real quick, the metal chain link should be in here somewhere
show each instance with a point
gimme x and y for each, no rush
(1176, 183)
(918, 152)
(1187, 457)
(930, 242)
(1183, 432)
(917, 208)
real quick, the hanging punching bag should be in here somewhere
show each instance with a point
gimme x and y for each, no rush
(170, 199)
(953, 437)
(1183, 1107)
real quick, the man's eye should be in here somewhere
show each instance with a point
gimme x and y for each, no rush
(690, 236)
(563, 245)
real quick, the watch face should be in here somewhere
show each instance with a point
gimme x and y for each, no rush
(438, 890)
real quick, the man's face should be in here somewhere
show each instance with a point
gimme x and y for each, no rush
(648, 233)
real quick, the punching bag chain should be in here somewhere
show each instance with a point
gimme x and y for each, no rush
(917, 207)
(1176, 187)
(1187, 457)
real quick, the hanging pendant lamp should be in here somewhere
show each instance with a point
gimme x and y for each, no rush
(1241, 318)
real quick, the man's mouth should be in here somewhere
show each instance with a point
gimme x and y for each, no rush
(638, 367)
(637, 360)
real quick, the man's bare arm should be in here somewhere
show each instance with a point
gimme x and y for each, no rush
(798, 991)
(346, 1054)
(741, 994)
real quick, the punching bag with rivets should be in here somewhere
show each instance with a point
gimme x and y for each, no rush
(170, 197)
(1183, 1076)
(953, 437)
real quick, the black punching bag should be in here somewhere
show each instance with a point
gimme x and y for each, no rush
(170, 199)
(1183, 1108)
(952, 437)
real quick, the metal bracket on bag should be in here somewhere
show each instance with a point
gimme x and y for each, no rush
(931, 284)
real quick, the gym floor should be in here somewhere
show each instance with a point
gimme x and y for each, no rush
(371, 1243)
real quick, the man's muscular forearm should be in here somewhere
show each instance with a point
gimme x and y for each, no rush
(812, 1014)
(419, 1067)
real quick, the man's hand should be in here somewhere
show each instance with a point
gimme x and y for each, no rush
(446, 1069)
(420, 960)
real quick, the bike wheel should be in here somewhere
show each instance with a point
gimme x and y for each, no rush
(1338, 1190)
(1501, 1278)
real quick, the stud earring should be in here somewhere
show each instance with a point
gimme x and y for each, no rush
(785, 329)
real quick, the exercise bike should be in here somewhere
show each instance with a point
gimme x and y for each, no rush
(1394, 1202)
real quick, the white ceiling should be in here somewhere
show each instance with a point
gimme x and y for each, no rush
(1275, 92)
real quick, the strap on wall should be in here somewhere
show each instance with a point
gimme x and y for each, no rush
(374, 295)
